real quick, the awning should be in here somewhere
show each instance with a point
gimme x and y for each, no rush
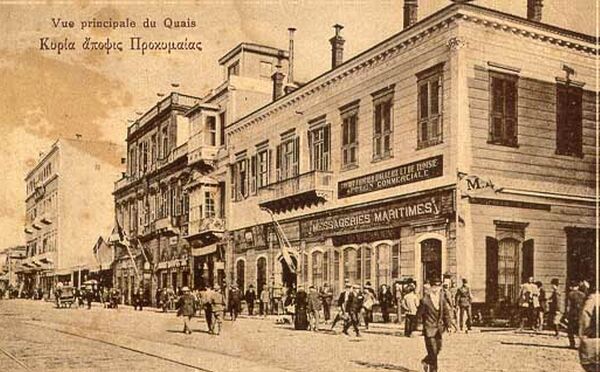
(203, 251)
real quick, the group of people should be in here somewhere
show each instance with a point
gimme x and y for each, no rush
(209, 300)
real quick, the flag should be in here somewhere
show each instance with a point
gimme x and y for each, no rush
(117, 234)
(284, 244)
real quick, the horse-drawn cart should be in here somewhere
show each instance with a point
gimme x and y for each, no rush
(65, 297)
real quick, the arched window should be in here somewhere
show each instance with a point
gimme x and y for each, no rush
(240, 269)
(317, 268)
(350, 260)
(336, 265)
(367, 259)
(325, 267)
(396, 261)
(382, 261)
(261, 273)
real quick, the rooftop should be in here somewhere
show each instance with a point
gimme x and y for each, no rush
(255, 48)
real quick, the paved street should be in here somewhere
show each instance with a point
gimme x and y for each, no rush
(41, 337)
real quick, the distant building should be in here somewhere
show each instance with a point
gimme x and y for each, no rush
(10, 259)
(68, 205)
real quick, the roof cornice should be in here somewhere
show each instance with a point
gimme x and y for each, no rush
(391, 47)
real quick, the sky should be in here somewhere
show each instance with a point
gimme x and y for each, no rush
(46, 95)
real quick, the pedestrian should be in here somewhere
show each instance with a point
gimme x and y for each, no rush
(353, 306)
(575, 300)
(264, 301)
(543, 306)
(250, 297)
(410, 305)
(314, 307)
(525, 303)
(368, 302)
(554, 314)
(450, 297)
(217, 300)
(186, 308)
(205, 299)
(589, 340)
(342, 314)
(386, 302)
(326, 294)
(464, 301)
(301, 309)
(398, 301)
(235, 302)
(435, 313)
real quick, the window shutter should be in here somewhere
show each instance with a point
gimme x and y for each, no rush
(253, 175)
(296, 166)
(527, 254)
(278, 163)
(269, 162)
(311, 156)
(561, 119)
(491, 273)
(576, 120)
(327, 145)
(247, 180)
(234, 182)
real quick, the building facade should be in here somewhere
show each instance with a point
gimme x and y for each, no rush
(68, 204)
(461, 146)
(10, 259)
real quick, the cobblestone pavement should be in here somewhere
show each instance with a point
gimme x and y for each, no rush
(46, 338)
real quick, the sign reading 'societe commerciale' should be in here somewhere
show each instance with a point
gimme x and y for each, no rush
(401, 175)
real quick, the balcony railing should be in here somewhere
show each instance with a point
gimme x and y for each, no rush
(201, 153)
(177, 153)
(206, 229)
(297, 192)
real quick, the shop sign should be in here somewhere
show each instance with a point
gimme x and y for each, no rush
(404, 174)
(367, 236)
(391, 214)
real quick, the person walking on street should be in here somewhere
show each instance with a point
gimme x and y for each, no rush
(435, 313)
(186, 308)
(138, 299)
(554, 314)
(386, 302)
(205, 301)
(314, 308)
(353, 306)
(250, 297)
(264, 301)
(543, 308)
(575, 300)
(410, 305)
(525, 303)
(589, 340)
(398, 294)
(342, 314)
(368, 302)
(326, 295)
(235, 302)
(450, 297)
(464, 301)
(217, 300)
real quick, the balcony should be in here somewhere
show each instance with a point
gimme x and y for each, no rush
(206, 230)
(165, 226)
(302, 191)
(174, 155)
(201, 155)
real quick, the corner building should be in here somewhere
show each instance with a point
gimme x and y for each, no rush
(461, 146)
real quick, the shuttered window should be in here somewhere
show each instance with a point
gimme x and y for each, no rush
(288, 158)
(318, 142)
(349, 154)
(569, 120)
(430, 97)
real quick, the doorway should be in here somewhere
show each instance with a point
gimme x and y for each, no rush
(288, 277)
(431, 259)
(581, 255)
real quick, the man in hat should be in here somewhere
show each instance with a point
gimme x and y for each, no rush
(250, 297)
(435, 314)
(186, 308)
(314, 307)
(554, 307)
(341, 302)
(386, 302)
(464, 300)
(217, 301)
(410, 305)
(326, 295)
(353, 305)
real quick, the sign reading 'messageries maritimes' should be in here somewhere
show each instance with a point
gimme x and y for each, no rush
(401, 175)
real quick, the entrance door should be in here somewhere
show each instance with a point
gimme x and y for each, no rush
(581, 256)
(288, 278)
(431, 259)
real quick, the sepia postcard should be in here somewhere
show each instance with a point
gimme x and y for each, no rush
(299, 185)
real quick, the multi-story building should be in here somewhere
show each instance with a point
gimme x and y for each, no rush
(68, 205)
(461, 146)
(10, 259)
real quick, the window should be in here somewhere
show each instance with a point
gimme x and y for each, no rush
(367, 260)
(209, 204)
(211, 131)
(382, 252)
(223, 122)
(349, 137)
(165, 142)
(503, 110)
(318, 142)
(240, 177)
(288, 154)
(261, 273)
(336, 265)
(382, 123)
(569, 117)
(317, 268)
(233, 69)
(351, 271)
(266, 69)
(263, 158)
(132, 161)
(153, 147)
(430, 97)
(240, 271)
(395, 261)
(325, 267)
(508, 269)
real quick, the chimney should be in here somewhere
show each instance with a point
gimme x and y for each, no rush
(410, 12)
(534, 10)
(277, 77)
(290, 77)
(337, 47)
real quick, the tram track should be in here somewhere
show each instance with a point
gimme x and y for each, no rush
(29, 322)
